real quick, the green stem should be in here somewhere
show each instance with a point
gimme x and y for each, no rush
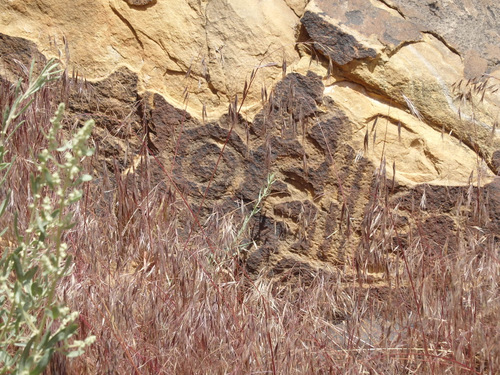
(264, 192)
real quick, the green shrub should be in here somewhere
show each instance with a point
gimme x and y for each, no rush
(34, 323)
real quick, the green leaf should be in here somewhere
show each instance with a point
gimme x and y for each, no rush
(32, 68)
(23, 110)
(85, 178)
(18, 295)
(35, 182)
(42, 364)
(16, 229)
(45, 339)
(75, 353)
(18, 268)
(29, 275)
(36, 289)
(67, 264)
(25, 357)
(63, 334)
(5, 357)
(53, 312)
(48, 178)
(41, 224)
(70, 225)
(6, 173)
(55, 213)
(5, 116)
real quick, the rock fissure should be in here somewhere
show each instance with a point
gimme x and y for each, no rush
(393, 7)
(443, 40)
(128, 24)
(392, 51)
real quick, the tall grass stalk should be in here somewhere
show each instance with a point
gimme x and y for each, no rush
(263, 194)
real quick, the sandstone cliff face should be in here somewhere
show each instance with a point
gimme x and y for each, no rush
(217, 42)
(350, 102)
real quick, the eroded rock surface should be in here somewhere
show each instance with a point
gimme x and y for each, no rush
(208, 47)
(390, 63)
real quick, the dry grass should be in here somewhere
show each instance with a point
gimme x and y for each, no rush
(162, 293)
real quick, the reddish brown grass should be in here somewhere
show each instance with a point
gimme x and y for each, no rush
(162, 302)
